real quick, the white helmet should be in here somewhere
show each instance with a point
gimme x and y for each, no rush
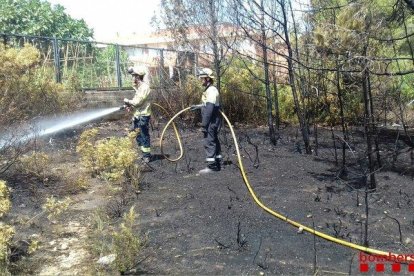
(137, 70)
(206, 72)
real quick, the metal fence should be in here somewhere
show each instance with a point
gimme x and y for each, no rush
(97, 65)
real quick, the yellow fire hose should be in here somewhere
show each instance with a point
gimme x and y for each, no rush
(176, 135)
(262, 205)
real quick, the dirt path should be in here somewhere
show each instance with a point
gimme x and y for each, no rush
(69, 252)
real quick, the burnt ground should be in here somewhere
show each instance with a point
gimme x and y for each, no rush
(209, 224)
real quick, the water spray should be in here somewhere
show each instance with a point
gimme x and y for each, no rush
(49, 126)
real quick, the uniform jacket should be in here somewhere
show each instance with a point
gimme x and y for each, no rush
(211, 104)
(142, 100)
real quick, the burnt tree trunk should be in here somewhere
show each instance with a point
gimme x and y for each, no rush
(368, 125)
(267, 79)
(341, 115)
(298, 109)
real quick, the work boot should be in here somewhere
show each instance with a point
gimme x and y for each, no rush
(219, 161)
(212, 167)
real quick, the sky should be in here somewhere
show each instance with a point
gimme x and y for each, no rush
(109, 17)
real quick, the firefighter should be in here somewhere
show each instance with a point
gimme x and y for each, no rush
(142, 106)
(211, 121)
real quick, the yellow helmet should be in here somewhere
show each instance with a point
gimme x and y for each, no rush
(206, 72)
(137, 70)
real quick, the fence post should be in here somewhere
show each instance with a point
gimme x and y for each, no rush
(56, 58)
(118, 66)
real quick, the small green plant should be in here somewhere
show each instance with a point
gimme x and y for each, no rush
(134, 175)
(6, 234)
(82, 183)
(33, 246)
(86, 148)
(126, 245)
(101, 241)
(5, 203)
(6, 231)
(121, 241)
(108, 158)
(55, 207)
(35, 164)
(77, 183)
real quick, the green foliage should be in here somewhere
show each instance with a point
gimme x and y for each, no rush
(6, 235)
(113, 156)
(105, 66)
(37, 17)
(286, 105)
(343, 38)
(101, 240)
(242, 95)
(54, 207)
(126, 245)
(26, 92)
(120, 241)
(193, 90)
(86, 149)
(5, 203)
(33, 246)
(81, 183)
(407, 91)
(134, 175)
(86, 65)
(109, 158)
(35, 164)
(6, 231)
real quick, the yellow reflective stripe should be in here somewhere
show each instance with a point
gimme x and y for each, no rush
(145, 149)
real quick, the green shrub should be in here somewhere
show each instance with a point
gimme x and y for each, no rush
(35, 164)
(6, 234)
(287, 105)
(242, 95)
(26, 90)
(54, 207)
(107, 238)
(134, 175)
(108, 158)
(100, 241)
(126, 245)
(5, 203)
(86, 148)
(6, 231)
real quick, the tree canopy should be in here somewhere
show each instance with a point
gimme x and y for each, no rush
(37, 17)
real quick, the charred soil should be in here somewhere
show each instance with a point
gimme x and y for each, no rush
(209, 224)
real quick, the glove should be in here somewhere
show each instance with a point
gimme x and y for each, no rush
(195, 107)
(127, 103)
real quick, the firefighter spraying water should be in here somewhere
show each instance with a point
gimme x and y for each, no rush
(141, 103)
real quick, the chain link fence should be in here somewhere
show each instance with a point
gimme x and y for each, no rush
(103, 66)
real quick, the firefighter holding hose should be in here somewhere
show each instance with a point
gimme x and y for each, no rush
(211, 121)
(141, 103)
